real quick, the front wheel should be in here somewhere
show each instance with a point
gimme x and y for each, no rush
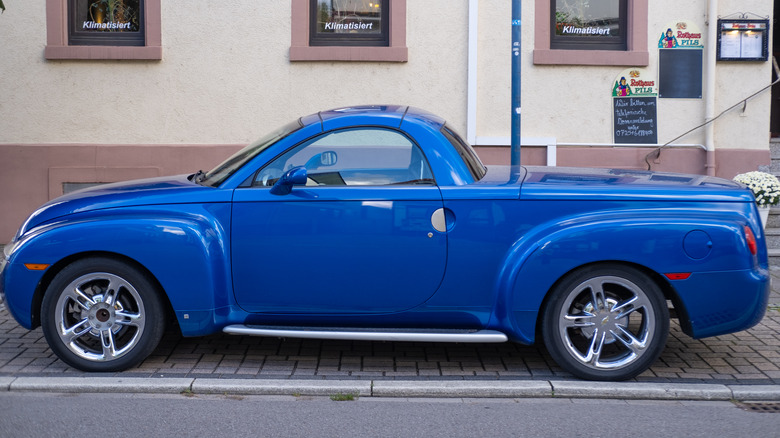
(102, 315)
(606, 323)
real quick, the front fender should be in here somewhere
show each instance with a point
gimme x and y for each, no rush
(184, 247)
(659, 242)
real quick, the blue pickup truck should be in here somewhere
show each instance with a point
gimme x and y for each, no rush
(381, 223)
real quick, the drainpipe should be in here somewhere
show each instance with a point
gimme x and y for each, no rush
(471, 104)
(709, 109)
(517, 21)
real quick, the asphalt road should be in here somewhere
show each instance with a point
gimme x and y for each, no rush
(120, 415)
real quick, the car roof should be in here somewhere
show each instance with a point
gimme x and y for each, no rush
(389, 115)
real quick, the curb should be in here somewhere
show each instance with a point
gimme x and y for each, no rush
(95, 385)
(396, 388)
(361, 388)
(460, 388)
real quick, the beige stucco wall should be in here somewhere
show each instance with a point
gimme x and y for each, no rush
(225, 77)
(573, 104)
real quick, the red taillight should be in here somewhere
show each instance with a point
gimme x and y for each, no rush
(751, 240)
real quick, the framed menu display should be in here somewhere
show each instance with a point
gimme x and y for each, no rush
(743, 40)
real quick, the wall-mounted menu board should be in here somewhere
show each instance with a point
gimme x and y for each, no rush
(634, 109)
(680, 73)
(680, 55)
(635, 120)
(743, 40)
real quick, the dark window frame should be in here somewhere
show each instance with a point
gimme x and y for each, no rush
(559, 42)
(133, 39)
(466, 152)
(349, 40)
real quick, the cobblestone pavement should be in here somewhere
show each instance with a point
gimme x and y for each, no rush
(748, 357)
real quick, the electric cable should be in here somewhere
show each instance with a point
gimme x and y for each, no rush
(656, 153)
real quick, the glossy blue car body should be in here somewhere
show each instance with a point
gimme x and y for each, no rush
(369, 257)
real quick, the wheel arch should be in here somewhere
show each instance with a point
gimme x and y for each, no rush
(56, 268)
(632, 337)
(662, 282)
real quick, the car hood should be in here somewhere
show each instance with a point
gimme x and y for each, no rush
(153, 191)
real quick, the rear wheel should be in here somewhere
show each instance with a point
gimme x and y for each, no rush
(608, 322)
(100, 314)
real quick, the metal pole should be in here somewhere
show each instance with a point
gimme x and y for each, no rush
(517, 22)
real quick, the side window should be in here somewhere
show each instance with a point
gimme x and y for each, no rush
(349, 23)
(348, 30)
(106, 22)
(589, 24)
(353, 157)
(103, 29)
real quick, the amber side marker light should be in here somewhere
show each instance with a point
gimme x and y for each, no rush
(751, 240)
(36, 266)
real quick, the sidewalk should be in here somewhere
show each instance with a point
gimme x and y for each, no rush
(744, 365)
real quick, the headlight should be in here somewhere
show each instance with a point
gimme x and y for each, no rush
(11, 246)
(7, 249)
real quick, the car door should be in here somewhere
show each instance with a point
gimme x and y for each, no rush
(359, 237)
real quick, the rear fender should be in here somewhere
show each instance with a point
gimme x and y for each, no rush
(656, 243)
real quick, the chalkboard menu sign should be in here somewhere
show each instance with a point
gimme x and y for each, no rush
(681, 51)
(680, 73)
(634, 107)
(636, 119)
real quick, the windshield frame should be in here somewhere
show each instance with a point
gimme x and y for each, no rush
(218, 175)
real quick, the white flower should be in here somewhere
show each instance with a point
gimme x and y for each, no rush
(765, 187)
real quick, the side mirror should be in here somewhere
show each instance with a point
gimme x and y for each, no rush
(328, 158)
(293, 177)
(323, 159)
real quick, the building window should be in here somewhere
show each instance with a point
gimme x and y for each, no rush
(588, 24)
(349, 23)
(348, 30)
(103, 29)
(106, 22)
(591, 32)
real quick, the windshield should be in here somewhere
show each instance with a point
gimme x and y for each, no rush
(219, 174)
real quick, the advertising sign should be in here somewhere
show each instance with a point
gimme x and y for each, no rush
(634, 105)
(681, 35)
(680, 61)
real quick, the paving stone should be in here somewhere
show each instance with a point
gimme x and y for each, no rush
(748, 357)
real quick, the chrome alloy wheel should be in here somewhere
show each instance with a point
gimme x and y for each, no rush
(100, 317)
(607, 322)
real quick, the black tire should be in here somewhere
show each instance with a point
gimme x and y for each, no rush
(102, 315)
(616, 339)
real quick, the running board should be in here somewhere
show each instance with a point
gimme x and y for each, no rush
(369, 334)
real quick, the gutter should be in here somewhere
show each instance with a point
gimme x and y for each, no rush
(471, 99)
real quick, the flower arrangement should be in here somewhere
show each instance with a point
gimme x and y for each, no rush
(765, 187)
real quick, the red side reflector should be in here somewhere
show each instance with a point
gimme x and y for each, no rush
(678, 276)
(36, 266)
(750, 238)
